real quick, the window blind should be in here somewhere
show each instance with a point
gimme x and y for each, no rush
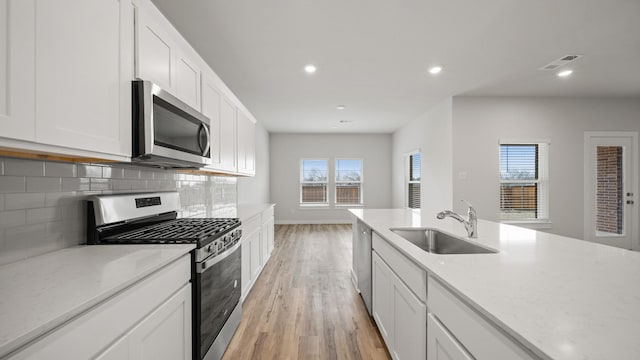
(413, 185)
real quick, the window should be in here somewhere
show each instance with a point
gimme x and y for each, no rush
(524, 181)
(413, 180)
(313, 181)
(348, 181)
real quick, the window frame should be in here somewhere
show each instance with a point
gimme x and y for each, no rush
(336, 182)
(301, 183)
(542, 218)
(407, 177)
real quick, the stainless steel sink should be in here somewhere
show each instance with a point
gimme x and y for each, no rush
(437, 242)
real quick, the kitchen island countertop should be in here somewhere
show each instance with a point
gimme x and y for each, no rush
(561, 298)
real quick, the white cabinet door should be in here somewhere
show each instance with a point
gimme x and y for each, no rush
(154, 47)
(382, 299)
(246, 267)
(441, 345)
(211, 100)
(82, 99)
(227, 135)
(400, 315)
(246, 144)
(410, 323)
(117, 351)
(270, 235)
(256, 260)
(188, 80)
(264, 239)
(166, 333)
(17, 63)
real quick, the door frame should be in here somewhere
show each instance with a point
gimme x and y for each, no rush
(631, 213)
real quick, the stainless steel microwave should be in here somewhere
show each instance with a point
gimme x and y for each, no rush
(167, 132)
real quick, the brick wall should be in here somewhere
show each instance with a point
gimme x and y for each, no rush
(43, 207)
(609, 189)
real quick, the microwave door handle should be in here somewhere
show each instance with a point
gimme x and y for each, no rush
(206, 148)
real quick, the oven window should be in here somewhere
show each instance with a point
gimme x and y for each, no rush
(219, 293)
(175, 129)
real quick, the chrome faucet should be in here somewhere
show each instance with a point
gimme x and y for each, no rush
(471, 225)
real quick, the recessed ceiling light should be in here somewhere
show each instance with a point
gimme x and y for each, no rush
(310, 68)
(565, 73)
(340, 107)
(435, 70)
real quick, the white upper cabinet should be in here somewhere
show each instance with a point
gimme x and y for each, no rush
(228, 135)
(166, 59)
(246, 144)
(82, 90)
(154, 47)
(17, 78)
(66, 67)
(211, 99)
(188, 80)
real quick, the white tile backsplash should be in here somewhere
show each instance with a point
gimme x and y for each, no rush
(24, 168)
(24, 201)
(43, 203)
(43, 184)
(12, 184)
(58, 169)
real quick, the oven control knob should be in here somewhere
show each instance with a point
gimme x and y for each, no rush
(209, 250)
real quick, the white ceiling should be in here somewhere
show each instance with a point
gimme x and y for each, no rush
(373, 55)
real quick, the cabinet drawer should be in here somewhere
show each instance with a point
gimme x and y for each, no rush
(441, 345)
(251, 225)
(411, 274)
(93, 331)
(481, 338)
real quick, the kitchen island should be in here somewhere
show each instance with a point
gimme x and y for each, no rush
(557, 297)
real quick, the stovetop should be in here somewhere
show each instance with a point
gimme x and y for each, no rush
(178, 231)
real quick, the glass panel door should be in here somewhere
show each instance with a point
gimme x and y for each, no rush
(610, 184)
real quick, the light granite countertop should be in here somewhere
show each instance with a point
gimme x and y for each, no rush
(247, 211)
(41, 293)
(562, 298)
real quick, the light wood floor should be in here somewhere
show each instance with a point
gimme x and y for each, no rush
(303, 305)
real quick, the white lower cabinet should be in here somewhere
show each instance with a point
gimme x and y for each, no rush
(441, 345)
(399, 313)
(461, 327)
(257, 246)
(149, 320)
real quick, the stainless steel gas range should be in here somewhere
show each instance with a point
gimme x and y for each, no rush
(151, 218)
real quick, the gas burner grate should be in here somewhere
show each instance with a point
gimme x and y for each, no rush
(177, 231)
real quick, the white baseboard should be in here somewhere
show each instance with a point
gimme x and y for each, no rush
(321, 222)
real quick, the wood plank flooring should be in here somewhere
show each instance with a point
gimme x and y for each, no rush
(304, 305)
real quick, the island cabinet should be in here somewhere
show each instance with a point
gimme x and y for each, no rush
(149, 320)
(456, 331)
(399, 295)
(65, 71)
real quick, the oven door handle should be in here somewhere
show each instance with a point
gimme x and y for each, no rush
(203, 266)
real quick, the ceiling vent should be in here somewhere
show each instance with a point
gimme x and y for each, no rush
(560, 62)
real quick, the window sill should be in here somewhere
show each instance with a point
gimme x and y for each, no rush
(531, 224)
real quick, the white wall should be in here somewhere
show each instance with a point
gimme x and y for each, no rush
(432, 134)
(253, 190)
(287, 150)
(479, 123)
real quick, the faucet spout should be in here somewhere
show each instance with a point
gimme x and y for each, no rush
(470, 224)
